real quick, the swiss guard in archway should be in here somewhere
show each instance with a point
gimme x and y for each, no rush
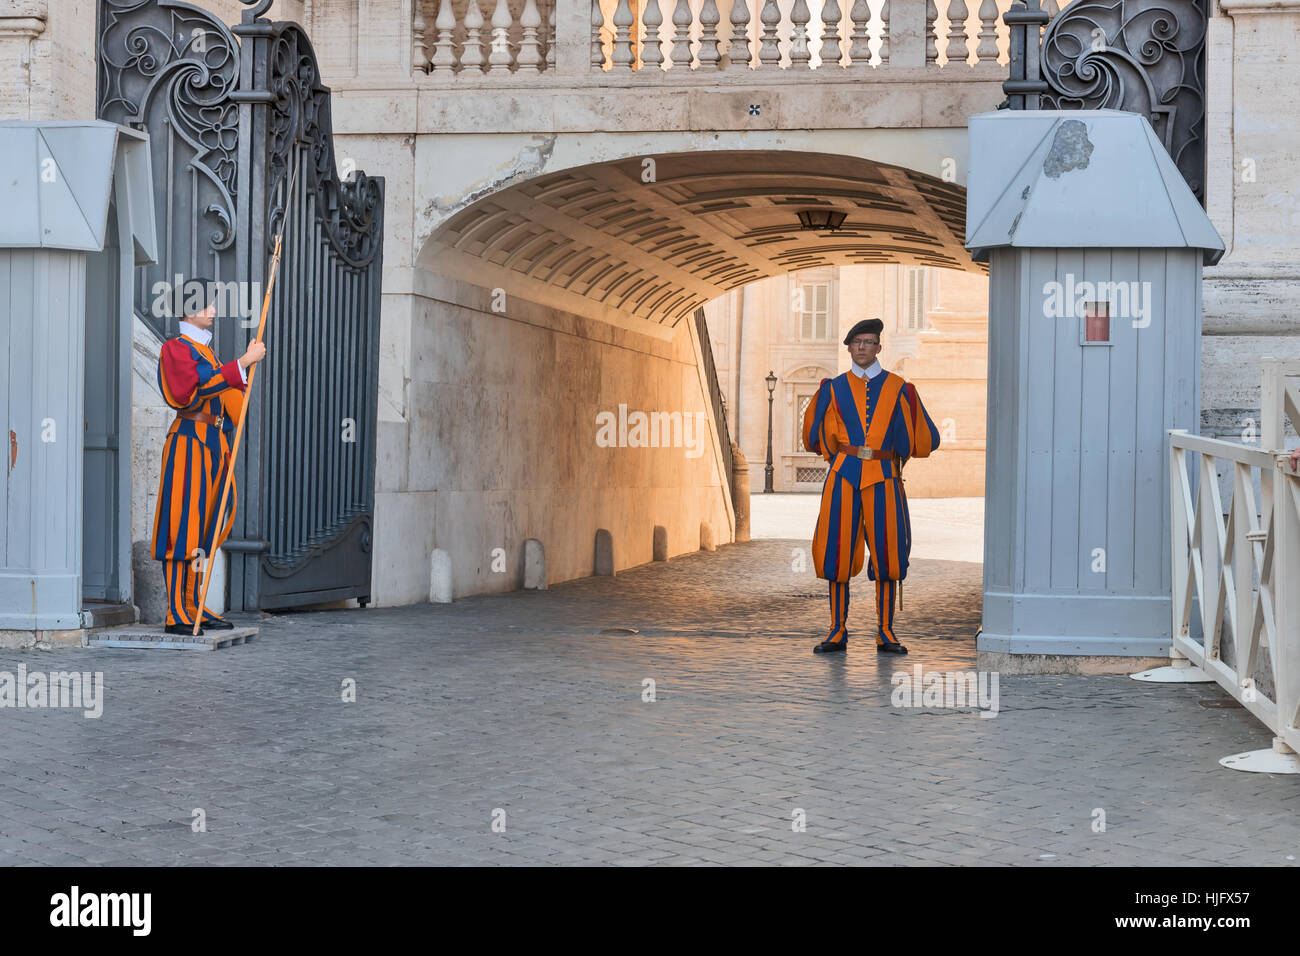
(867, 423)
(208, 396)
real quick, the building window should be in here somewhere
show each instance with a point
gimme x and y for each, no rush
(1096, 323)
(914, 300)
(812, 305)
(802, 404)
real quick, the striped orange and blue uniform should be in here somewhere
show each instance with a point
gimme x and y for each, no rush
(863, 506)
(195, 455)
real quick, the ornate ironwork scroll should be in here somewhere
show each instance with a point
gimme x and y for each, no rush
(229, 111)
(1144, 56)
(169, 68)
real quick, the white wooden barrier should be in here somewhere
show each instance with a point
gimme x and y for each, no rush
(1242, 562)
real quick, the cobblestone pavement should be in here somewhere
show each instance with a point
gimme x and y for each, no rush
(515, 703)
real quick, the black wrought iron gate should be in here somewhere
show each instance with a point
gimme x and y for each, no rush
(229, 112)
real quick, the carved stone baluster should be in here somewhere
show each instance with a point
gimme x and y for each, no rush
(622, 36)
(1050, 7)
(931, 32)
(988, 45)
(957, 48)
(597, 35)
(419, 52)
(859, 49)
(799, 52)
(682, 20)
(471, 54)
(652, 55)
(444, 53)
(884, 33)
(530, 54)
(550, 38)
(769, 48)
(499, 58)
(830, 50)
(739, 52)
(709, 19)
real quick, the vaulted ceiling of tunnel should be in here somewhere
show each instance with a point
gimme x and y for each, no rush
(709, 222)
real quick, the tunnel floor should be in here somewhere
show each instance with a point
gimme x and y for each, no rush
(506, 729)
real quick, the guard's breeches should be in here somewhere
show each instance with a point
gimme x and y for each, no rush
(854, 521)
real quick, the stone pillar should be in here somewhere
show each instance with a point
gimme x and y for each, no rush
(47, 59)
(1252, 296)
(740, 491)
(440, 577)
(534, 565)
(573, 33)
(763, 314)
(660, 545)
(707, 540)
(383, 36)
(604, 564)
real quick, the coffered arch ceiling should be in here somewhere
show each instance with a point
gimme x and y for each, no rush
(708, 222)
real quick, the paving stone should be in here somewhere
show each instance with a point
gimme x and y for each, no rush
(517, 701)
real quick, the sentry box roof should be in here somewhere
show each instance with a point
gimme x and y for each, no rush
(56, 180)
(1078, 179)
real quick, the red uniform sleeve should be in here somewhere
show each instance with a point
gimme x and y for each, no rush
(230, 372)
(178, 374)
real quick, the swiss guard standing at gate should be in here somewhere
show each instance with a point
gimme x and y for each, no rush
(866, 422)
(209, 398)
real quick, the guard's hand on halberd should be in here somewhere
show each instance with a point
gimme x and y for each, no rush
(256, 352)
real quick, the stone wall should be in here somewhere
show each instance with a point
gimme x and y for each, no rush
(1252, 297)
(46, 60)
(499, 444)
(950, 372)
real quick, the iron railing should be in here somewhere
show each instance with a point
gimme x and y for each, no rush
(719, 403)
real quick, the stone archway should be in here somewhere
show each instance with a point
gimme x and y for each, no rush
(656, 237)
(544, 305)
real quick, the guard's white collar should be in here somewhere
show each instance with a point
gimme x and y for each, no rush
(202, 336)
(871, 371)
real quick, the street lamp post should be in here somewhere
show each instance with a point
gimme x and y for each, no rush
(767, 472)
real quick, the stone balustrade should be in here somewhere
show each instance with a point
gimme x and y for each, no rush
(462, 38)
(461, 41)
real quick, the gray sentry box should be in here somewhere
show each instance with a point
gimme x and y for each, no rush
(1084, 380)
(78, 217)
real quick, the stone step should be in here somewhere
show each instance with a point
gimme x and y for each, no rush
(152, 636)
(107, 615)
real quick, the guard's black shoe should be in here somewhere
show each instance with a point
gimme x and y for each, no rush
(891, 648)
(831, 647)
(184, 630)
(217, 624)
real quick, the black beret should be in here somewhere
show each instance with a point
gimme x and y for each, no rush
(874, 326)
(200, 287)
